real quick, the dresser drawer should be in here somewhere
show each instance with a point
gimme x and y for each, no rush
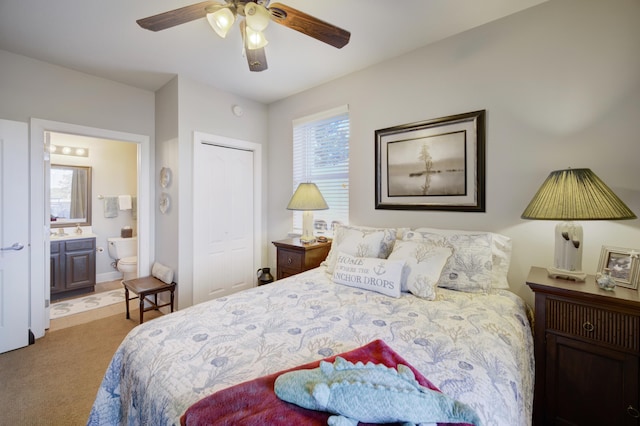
(290, 259)
(595, 323)
(84, 244)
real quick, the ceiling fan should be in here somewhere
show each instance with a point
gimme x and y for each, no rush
(257, 14)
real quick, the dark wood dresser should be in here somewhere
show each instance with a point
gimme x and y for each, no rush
(295, 257)
(587, 350)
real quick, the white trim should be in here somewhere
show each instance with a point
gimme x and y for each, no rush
(200, 138)
(342, 109)
(39, 226)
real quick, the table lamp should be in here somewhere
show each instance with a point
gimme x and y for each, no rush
(569, 195)
(307, 198)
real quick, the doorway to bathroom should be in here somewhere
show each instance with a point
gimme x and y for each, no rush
(100, 141)
(113, 174)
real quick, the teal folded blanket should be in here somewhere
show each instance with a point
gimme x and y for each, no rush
(371, 393)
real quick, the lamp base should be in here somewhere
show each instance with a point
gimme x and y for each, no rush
(307, 239)
(307, 236)
(577, 276)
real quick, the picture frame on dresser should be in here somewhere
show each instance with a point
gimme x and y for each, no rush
(623, 265)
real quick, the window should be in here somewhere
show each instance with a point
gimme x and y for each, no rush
(321, 156)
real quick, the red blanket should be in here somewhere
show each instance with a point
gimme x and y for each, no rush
(255, 402)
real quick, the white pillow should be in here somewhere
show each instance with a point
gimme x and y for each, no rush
(369, 273)
(423, 265)
(360, 241)
(500, 252)
(469, 268)
(163, 273)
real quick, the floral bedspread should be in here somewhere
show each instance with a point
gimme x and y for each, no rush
(476, 348)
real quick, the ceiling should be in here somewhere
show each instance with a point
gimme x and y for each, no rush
(106, 41)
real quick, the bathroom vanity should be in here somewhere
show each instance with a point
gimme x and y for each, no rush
(73, 266)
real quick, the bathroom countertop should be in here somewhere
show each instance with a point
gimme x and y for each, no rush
(71, 236)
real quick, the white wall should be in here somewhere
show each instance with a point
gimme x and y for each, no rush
(36, 89)
(560, 83)
(561, 86)
(167, 156)
(208, 110)
(32, 88)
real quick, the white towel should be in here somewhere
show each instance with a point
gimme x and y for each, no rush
(124, 201)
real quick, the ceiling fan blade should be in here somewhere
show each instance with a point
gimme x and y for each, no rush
(182, 15)
(256, 58)
(309, 25)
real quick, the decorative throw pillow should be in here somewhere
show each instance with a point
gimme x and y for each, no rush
(469, 268)
(500, 253)
(161, 272)
(360, 241)
(369, 273)
(423, 265)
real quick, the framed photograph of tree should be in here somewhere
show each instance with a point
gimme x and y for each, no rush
(437, 164)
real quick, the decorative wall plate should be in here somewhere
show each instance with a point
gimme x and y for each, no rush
(165, 177)
(164, 203)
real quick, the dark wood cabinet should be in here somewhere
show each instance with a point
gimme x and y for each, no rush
(73, 267)
(57, 268)
(587, 350)
(295, 257)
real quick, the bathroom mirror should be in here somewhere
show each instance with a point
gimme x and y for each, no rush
(70, 196)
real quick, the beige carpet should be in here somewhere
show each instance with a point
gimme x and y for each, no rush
(55, 380)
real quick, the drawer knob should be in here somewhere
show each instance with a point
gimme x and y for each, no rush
(588, 326)
(289, 260)
(633, 412)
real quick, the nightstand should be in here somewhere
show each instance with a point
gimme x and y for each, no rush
(587, 350)
(295, 257)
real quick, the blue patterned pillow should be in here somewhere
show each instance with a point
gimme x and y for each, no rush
(423, 266)
(361, 241)
(469, 269)
(500, 253)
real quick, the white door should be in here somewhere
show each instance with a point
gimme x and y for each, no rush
(223, 194)
(14, 234)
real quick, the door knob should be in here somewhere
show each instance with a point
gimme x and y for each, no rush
(15, 246)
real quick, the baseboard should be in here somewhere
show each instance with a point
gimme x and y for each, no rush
(108, 276)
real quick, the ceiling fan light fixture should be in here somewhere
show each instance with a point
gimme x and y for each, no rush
(221, 21)
(255, 39)
(257, 16)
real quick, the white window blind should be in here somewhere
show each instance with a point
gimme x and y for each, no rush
(321, 156)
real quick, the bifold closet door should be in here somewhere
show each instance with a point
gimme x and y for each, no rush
(223, 221)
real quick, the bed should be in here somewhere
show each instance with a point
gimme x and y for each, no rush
(471, 339)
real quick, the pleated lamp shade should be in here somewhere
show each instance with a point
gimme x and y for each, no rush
(307, 198)
(568, 195)
(576, 194)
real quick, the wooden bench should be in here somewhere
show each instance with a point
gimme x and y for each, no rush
(144, 287)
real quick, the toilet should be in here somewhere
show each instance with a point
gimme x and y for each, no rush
(125, 253)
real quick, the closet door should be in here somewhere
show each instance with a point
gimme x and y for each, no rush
(223, 221)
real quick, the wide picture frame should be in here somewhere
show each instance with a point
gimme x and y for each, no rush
(436, 164)
(623, 265)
